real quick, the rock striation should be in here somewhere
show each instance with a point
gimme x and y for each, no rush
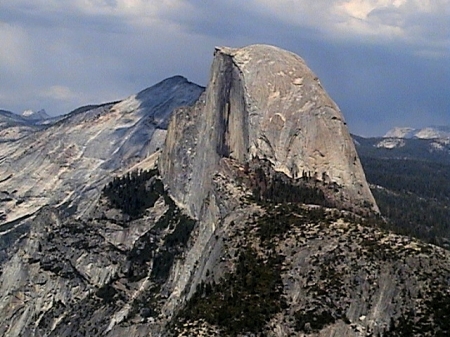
(68, 162)
(261, 102)
(264, 252)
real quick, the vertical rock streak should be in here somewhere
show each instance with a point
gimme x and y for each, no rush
(262, 102)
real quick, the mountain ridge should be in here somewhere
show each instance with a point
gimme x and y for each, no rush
(430, 132)
(233, 222)
(77, 154)
(434, 149)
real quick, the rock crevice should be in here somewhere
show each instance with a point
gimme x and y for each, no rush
(262, 102)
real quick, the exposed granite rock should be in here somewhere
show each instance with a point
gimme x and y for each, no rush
(246, 265)
(104, 276)
(340, 277)
(326, 272)
(68, 162)
(262, 102)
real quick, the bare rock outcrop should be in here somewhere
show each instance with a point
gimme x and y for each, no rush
(261, 102)
(68, 162)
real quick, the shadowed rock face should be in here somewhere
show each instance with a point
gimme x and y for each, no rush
(262, 102)
(280, 267)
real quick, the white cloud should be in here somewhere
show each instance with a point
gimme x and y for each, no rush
(376, 19)
(58, 92)
(132, 12)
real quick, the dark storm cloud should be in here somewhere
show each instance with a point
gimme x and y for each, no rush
(388, 69)
(233, 21)
(378, 87)
(33, 17)
(377, 84)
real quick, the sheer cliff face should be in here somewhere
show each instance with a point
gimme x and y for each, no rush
(261, 102)
(251, 263)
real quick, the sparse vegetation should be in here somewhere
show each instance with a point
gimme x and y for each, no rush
(243, 301)
(174, 243)
(312, 321)
(269, 186)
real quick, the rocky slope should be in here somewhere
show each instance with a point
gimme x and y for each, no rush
(231, 234)
(69, 162)
(264, 268)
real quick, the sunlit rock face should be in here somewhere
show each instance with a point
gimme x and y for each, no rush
(262, 102)
(69, 161)
(279, 265)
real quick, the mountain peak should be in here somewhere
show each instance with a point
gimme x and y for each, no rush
(430, 132)
(162, 98)
(35, 115)
(261, 102)
(400, 132)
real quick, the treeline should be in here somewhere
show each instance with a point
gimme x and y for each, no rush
(276, 187)
(409, 214)
(134, 192)
(425, 179)
(415, 196)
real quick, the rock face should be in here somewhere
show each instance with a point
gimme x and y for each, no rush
(261, 102)
(69, 161)
(263, 252)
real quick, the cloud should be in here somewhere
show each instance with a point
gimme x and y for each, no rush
(14, 48)
(415, 22)
(358, 17)
(58, 92)
(375, 57)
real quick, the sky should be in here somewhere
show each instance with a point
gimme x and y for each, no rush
(385, 63)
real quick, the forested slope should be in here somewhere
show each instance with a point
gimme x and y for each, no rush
(411, 186)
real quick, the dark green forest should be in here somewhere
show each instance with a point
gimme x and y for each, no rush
(134, 192)
(414, 195)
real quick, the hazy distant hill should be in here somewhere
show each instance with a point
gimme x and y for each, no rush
(429, 132)
(434, 150)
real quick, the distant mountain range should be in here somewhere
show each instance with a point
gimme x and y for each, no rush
(14, 126)
(27, 117)
(430, 132)
(430, 143)
(435, 150)
(410, 180)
